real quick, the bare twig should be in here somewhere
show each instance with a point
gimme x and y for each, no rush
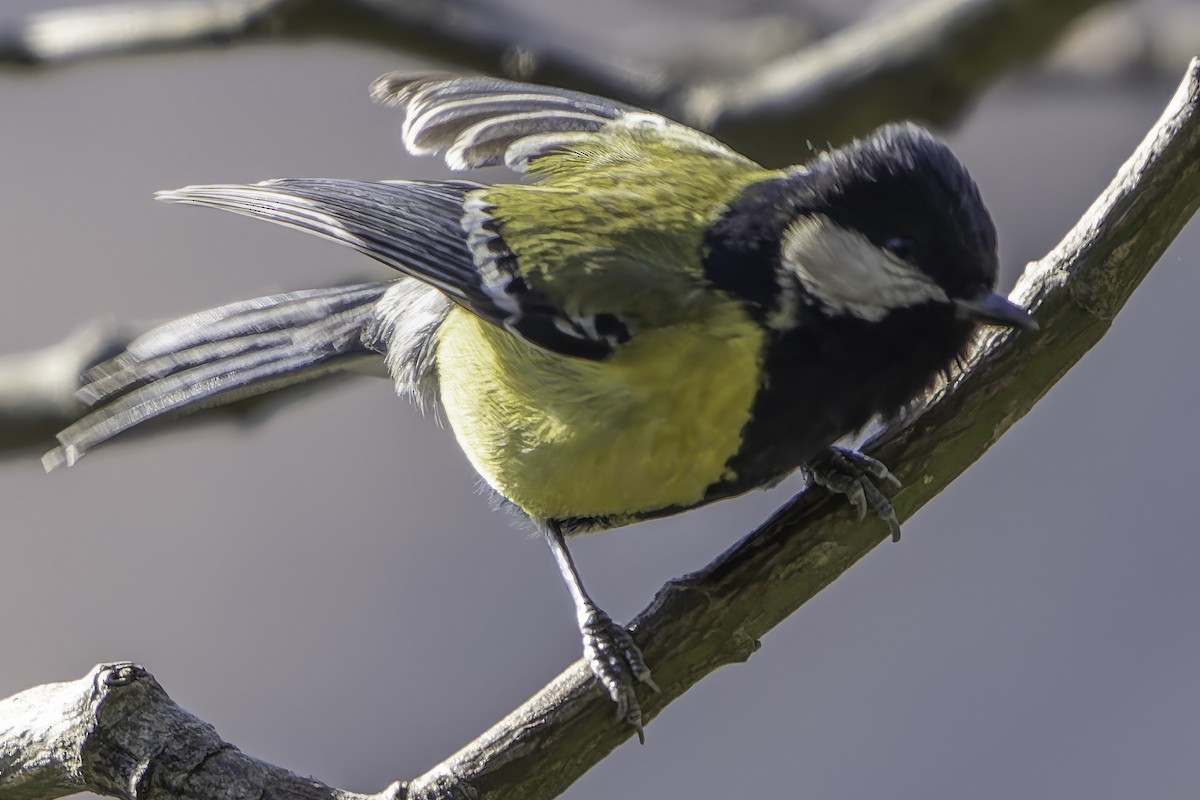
(471, 33)
(707, 619)
(1127, 40)
(927, 59)
(925, 62)
(70, 34)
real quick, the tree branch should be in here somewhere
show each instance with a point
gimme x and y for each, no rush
(101, 733)
(926, 60)
(68, 34)
(116, 732)
(473, 34)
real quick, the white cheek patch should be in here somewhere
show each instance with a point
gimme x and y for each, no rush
(847, 274)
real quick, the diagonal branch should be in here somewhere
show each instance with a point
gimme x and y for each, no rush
(57, 739)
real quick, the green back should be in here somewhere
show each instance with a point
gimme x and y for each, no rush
(620, 217)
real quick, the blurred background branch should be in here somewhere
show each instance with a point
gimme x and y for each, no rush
(779, 69)
(924, 61)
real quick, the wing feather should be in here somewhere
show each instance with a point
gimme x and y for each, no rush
(437, 232)
(412, 226)
(485, 121)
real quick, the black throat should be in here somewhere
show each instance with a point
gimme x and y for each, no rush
(829, 376)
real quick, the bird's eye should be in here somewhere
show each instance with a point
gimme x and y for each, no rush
(901, 247)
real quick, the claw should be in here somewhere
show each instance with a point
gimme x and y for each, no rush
(857, 499)
(643, 676)
(617, 663)
(854, 475)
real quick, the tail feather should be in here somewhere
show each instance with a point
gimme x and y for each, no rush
(124, 373)
(272, 312)
(219, 356)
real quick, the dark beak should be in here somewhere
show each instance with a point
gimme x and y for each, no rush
(990, 308)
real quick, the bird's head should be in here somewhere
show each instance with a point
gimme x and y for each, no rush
(888, 222)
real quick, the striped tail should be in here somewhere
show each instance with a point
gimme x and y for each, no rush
(219, 356)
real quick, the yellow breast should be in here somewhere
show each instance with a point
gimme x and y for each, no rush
(651, 426)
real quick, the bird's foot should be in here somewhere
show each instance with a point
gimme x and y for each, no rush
(617, 662)
(856, 476)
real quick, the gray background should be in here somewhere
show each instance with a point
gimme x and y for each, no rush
(331, 592)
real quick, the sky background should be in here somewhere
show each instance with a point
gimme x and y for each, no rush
(329, 590)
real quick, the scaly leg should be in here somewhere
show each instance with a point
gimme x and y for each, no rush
(607, 647)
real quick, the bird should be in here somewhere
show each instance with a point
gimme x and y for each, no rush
(646, 322)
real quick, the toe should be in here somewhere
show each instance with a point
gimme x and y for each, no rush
(618, 664)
